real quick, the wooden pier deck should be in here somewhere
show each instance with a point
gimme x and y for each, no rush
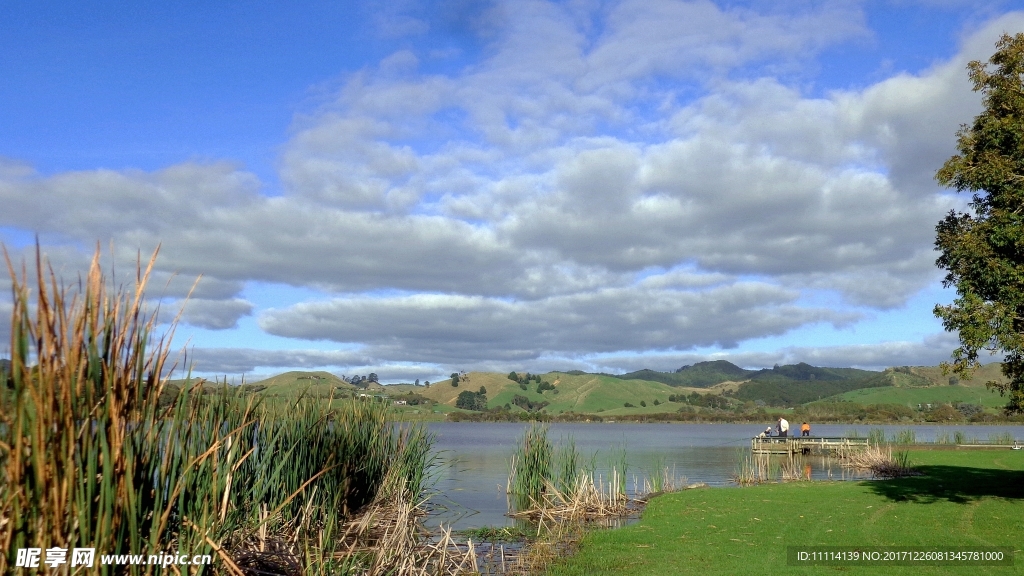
(806, 444)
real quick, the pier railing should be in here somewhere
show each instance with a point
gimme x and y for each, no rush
(806, 444)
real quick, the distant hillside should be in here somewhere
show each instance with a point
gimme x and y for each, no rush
(699, 375)
(295, 382)
(777, 390)
(707, 374)
(914, 396)
(576, 392)
(933, 374)
(805, 372)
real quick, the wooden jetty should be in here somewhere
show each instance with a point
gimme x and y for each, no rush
(807, 444)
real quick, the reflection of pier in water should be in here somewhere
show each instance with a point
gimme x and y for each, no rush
(837, 445)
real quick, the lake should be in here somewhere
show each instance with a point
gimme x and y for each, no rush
(470, 483)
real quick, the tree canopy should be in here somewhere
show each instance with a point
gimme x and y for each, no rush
(982, 250)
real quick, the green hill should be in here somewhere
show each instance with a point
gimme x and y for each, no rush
(575, 392)
(934, 375)
(781, 391)
(935, 395)
(297, 382)
(805, 372)
(648, 391)
(699, 375)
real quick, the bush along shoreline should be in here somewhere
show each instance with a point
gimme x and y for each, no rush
(822, 413)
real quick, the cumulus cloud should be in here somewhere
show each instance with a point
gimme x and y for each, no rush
(452, 329)
(243, 360)
(212, 314)
(928, 351)
(605, 178)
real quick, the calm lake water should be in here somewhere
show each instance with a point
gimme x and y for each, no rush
(470, 484)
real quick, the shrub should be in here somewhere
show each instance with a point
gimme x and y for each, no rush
(469, 400)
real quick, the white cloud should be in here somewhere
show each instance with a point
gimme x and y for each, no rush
(454, 329)
(928, 351)
(244, 360)
(515, 202)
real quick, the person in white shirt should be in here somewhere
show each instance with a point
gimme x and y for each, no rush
(783, 427)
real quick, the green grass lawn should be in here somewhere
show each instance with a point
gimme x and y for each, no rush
(966, 498)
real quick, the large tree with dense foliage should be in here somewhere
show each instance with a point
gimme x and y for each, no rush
(983, 250)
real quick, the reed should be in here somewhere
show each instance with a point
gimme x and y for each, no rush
(876, 436)
(530, 467)
(90, 456)
(959, 437)
(568, 465)
(1001, 438)
(755, 469)
(904, 437)
(880, 462)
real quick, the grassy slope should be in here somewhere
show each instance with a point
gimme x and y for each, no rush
(933, 394)
(296, 382)
(967, 498)
(578, 393)
(699, 375)
(987, 372)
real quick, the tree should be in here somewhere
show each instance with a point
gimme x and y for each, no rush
(372, 377)
(455, 379)
(983, 251)
(469, 400)
(417, 382)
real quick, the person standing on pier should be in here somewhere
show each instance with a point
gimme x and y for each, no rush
(805, 429)
(783, 427)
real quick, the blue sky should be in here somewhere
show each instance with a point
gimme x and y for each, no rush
(414, 188)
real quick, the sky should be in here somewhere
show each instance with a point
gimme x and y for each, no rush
(414, 188)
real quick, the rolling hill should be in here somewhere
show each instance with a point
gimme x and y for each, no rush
(934, 395)
(648, 391)
(584, 393)
(699, 375)
(296, 382)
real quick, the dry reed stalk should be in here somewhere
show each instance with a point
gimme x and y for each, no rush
(880, 462)
(96, 379)
(587, 500)
(388, 538)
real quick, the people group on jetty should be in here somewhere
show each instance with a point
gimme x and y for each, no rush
(782, 429)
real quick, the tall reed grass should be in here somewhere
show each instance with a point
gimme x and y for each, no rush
(530, 468)
(905, 437)
(1001, 438)
(90, 457)
(876, 436)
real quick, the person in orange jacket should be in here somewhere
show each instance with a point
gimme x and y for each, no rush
(805, 429)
